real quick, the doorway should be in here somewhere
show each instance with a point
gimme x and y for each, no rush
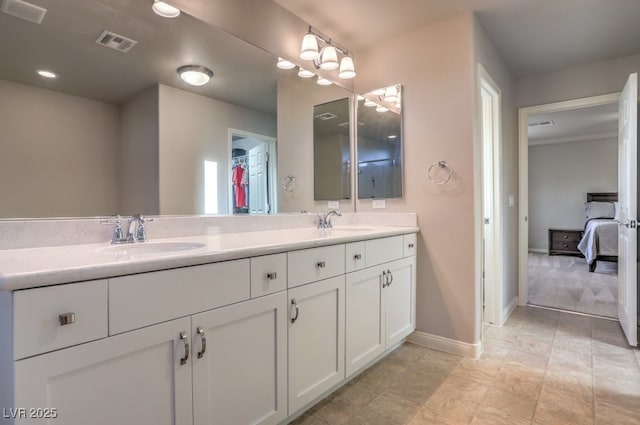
(253, 165)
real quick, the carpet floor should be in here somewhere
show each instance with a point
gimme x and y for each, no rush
(564, 282)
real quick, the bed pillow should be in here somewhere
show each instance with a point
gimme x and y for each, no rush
(600, 210)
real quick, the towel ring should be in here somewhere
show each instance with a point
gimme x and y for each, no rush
(289, 183)
(441, 165)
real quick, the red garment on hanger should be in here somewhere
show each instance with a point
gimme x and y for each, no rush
(241, 197)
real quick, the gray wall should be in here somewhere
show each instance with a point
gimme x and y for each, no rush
(139, 134)
(487, 55)
(58, 154)
(560, 175)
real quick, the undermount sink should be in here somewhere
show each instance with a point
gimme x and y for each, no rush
(151, 247)
(351, 229)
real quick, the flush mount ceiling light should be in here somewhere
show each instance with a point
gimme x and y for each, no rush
(324, 54)
(285, 64)
(46, 74)
(323, 81)
(195, 75)
(164, 9)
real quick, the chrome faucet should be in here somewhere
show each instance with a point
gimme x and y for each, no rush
(135, 232)
(324, 221)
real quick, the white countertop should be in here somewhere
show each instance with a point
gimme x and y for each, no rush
(33, 267)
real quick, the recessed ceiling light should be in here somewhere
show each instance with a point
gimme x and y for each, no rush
(195, 75)
(165, 9)
(46, 74)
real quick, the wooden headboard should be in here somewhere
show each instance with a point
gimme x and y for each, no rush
(602, 196)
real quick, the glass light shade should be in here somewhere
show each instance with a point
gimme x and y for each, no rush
(323, 81)
(391, 94)
(329, 58)
(381, 108)
(285, 64)
(377, 92)
(370, 103)
(360, 97)
(303, 73)
(347, 70)
(165, 10)
(309, 49)
(46, 74)
(195, 75)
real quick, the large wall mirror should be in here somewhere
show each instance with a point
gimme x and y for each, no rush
(379, 143)
(117, 130)
(331, 150)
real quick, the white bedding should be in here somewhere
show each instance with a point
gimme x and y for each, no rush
(600, 238)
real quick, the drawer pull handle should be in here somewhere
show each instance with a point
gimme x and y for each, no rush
(203, 338)
(294, 304)
(272, 276)
(357, 257)
(390, 277)
(321, 264)
(67, 319)
(565, 236)
(183, 338)
(385, 281)
(411, 245)
(565, 245)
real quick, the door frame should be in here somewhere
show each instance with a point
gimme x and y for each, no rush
(491, 263)
(273, 166)
(523, 176)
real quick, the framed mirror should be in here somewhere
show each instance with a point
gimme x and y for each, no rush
(379, 143)
(331, 150)
(117, 130)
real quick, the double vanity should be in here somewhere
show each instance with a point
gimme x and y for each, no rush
(249, 327)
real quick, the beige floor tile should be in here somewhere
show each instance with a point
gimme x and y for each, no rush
(394, 408)
(509, 403)
(570, 360)
(480, 370)
(465, 389)
(416, 386)
(557, 406)
(337, 412)
(309, 419)
(517, 381)
(534, 344)
(367, 417)
(448, 403)
(427, 416)
(497, 350)
(578, 383)
(526, 361)
(437, 361)
(490, 416)
(607, 414)
(623, 393)
(358, 393)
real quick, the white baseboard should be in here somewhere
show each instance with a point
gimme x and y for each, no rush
(445, 344)
(506, 312)
(539, 250)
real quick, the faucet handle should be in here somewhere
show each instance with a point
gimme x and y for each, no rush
(141, 231)
(118, 233)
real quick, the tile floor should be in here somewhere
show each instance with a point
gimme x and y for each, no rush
(542, 367)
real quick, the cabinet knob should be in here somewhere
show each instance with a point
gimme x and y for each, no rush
(357, 257)
(321, 264)
(272, 276)
(565, 236)
(565, 245)
(411, 245)
(67, 319)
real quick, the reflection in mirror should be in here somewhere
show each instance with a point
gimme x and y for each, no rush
(379, 143)
(331, 153)
(117, 130)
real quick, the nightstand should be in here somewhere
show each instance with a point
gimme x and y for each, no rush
(565, 241)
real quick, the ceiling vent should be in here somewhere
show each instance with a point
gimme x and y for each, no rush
(326, 116)
(115, 41)
(547, 123)
(23, 10)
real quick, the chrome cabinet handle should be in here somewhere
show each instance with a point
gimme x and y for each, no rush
(390, 277)
(183, 338)
(66, 319)
(272, 276)
(294, 304)
(357, 257)
(385, 281)
(203, 338)
(321, 264)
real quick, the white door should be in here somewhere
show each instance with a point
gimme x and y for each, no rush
(316, 340)
(365, 327)
(399, 298)
(258, 180)
(627, 197)
(239, 374)
(133, 378)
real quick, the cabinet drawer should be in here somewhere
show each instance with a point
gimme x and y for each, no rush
(147, 298)
(565, 246)
(410, 244)
(354, 256)
(268, 274)
(566, 236)
(310, 265)
(383, 250)
(39, 314)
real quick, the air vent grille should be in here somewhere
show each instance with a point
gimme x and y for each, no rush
(326, 116)
(115, 41)
(23, 10)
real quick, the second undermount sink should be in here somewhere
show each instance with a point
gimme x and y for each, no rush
(151, 248)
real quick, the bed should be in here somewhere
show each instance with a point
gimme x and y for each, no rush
(600, 240)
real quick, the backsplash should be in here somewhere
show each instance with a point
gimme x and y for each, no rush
(15, 234)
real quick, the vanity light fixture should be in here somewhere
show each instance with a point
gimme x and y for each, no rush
(323, 81)
(303, 73)
(46, 74)
(324, 54)
(285, 64)
(370, 103)
(195, 75)
(391, 94)
(164, 9)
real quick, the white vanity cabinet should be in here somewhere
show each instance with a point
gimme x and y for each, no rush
(136, 377)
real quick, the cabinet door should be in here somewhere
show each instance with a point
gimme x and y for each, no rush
(400, 297)
(132, 378)
(365, 313)
(316, 340)
(240, 377)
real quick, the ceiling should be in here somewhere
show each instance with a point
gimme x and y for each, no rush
(533, 36)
